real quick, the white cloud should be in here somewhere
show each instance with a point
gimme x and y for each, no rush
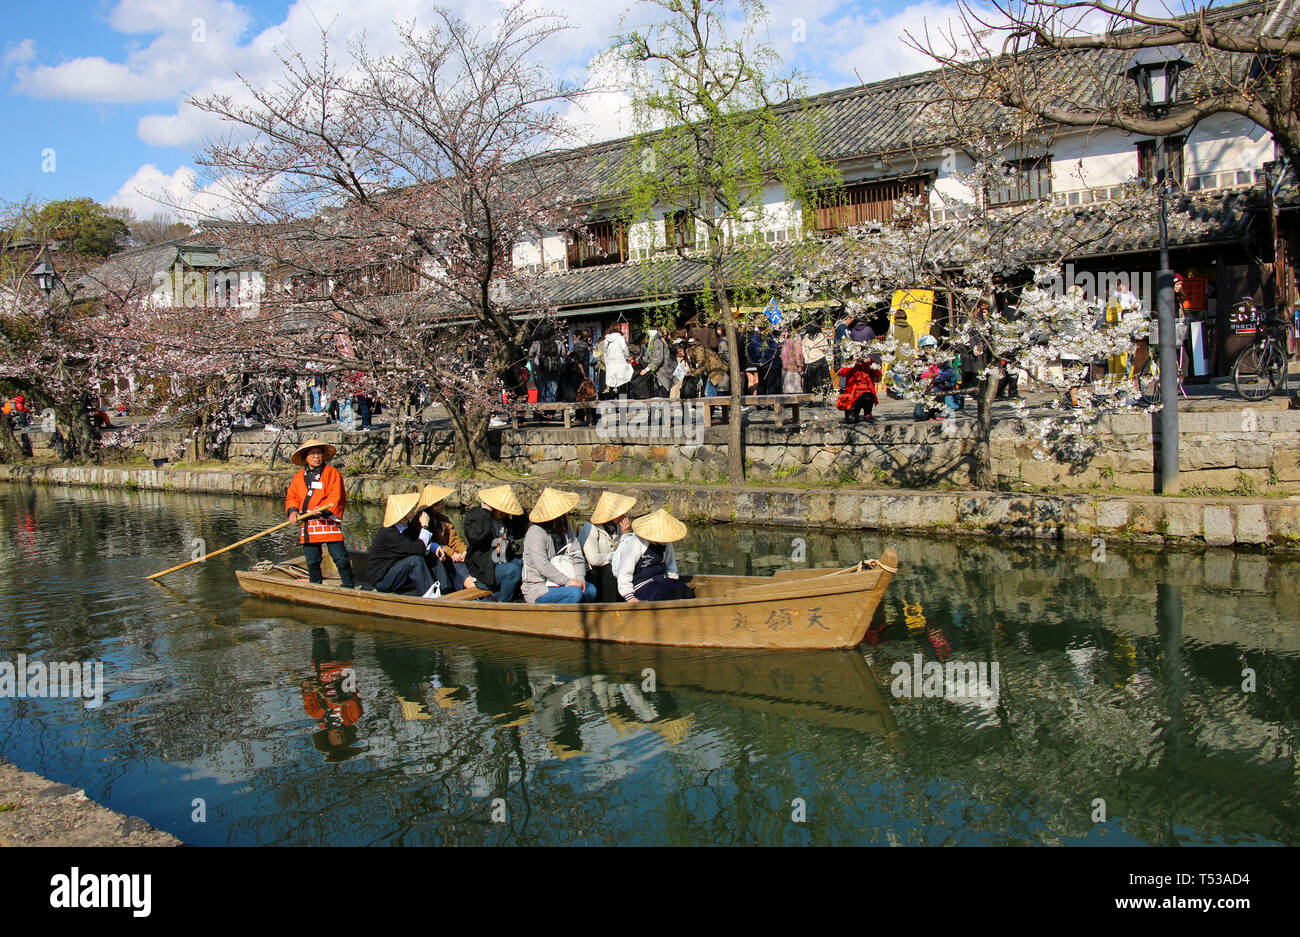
(17, 53)
(90, 79)
(874, 48)
(192, 45)
(150, 191)
(604, 111)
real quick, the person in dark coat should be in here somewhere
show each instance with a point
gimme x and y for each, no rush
(765, 354)
(859, 329)
(396, 561)
(491, 531)
(974, 354)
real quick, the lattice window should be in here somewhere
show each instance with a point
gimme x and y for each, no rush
(600, 242)
(1032, 180)
(864, 202)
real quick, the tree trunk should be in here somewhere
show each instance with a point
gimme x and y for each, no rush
(470, 432)
(79, 436)
(11, 450)
(982, 456)
(735, 424)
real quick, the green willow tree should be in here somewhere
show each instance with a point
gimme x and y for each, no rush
(719, 145)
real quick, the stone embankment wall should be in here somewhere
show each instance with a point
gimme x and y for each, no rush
(1227, 449)
(355, 449)
(1255, 522)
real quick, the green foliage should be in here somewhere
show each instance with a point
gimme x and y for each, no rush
(716, 126)
(81, 224)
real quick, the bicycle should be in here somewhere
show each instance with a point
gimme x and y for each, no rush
(1149, 377)
(1261, 368)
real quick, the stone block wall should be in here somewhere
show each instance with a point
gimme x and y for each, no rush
(1217, 450)
(355, 449)
(1267, 523)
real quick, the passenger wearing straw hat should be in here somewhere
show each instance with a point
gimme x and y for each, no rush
(319, 486)
(446, 551)
(492, 530)
(554, 568)
(397, 561)
(600, 537)
(645, 564)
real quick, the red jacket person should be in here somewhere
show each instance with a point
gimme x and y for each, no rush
(319, 488)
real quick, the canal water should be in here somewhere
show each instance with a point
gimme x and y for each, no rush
(1140, 697)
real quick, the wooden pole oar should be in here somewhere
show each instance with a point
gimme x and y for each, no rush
(269, 530)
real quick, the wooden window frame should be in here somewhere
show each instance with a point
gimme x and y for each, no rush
(679, 230)
(865, 201)
(1024, 194)
(1175, 149)
(609, 247)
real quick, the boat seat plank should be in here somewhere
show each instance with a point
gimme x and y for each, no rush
(467, 594)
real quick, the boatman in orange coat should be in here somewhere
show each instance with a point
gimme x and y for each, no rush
(319, 488)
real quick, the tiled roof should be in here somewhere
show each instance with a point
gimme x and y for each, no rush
(884, 117)
(129, 268)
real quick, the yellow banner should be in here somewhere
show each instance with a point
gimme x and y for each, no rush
(919, 306)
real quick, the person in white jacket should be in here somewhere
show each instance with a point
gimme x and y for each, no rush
(645, 564)
(600, 538)
(618, 367)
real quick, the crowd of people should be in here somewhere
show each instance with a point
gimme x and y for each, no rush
(687, 362)
(506, 553)
(807, 354)
(798, 355)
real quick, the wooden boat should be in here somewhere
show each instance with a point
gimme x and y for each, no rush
(828, 609)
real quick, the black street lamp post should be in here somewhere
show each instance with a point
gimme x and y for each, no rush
(1155, 71)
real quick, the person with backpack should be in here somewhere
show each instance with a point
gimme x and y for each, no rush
(660, 364)
(547, 354)
(707, 365)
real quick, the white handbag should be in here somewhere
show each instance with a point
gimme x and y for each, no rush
(564, 563)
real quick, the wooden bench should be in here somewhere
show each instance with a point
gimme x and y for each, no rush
(778, 402)
(532, 411)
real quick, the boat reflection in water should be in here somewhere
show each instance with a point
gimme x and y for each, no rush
(552, 688)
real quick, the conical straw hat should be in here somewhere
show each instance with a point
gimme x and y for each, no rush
(299, 456)
(552, 503)
(502, 498)
(611, 505)
(659, 527)
(399, 506)
(432, 494)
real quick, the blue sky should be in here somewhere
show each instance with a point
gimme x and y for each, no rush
(94, 91)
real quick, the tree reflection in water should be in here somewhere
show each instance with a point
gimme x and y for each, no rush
(1105, 692)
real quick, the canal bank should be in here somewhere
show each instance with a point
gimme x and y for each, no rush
(1190, 522)
(35, 811)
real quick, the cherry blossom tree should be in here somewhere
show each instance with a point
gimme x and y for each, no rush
(383, 194)
(990, 252)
